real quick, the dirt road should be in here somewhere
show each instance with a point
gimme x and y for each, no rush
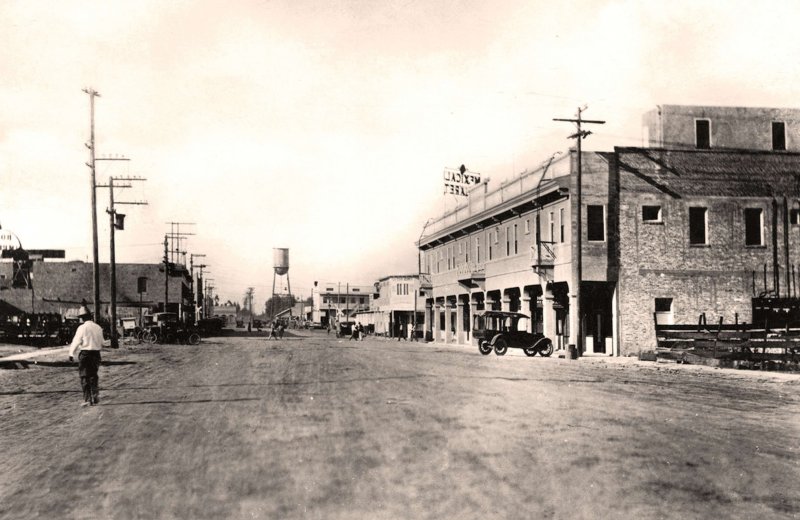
(312, 427)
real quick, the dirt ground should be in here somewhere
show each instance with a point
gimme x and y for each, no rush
(319, 428)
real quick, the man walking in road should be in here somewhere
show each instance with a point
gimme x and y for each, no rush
(88, 341)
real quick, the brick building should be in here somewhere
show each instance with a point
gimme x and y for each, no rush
(59, 287)
(678, 230)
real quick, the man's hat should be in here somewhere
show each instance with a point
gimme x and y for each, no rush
(84, 312)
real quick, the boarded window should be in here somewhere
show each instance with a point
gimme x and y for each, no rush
(697, 225)
(651, 213)
(702, 129)
(778, 135)
(753, 227)
(595, 224)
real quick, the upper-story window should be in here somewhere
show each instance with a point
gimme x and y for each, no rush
(508, 241)
(651, 213)
(562, 224)
(478, 249)
(595, 224)
(698, 226)
(753, 227)
(552, 227)
(516, 242)
(778, 135)
(702, 132)
(527, 226)
(794, 216)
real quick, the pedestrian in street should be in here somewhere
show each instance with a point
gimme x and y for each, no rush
(281, 328)
(88, 342)
(360, 329)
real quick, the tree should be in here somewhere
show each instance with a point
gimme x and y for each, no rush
(279, 303)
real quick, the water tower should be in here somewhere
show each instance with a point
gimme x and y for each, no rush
(280, 262)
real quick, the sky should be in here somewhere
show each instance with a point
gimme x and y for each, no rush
(324, 127)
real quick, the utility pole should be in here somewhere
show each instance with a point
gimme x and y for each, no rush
(166, 272)
(249, 297)
(579, 135)
(116, 223)
(175, 234)
(91, 164)
(200, 298)
(418, 291)
(191, 274)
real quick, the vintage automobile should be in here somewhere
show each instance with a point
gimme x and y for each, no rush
(165, 327)
(499, 331)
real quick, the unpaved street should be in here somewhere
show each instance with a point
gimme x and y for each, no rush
(314, 427)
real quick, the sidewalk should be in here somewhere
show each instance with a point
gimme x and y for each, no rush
(9, 352)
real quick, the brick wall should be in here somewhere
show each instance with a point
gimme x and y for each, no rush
(657, 261)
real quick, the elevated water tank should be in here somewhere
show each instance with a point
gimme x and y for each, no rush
(280, 257)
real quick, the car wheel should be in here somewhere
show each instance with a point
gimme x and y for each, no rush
(194, 338)
(545, 348)
(150, 337)
(485, 348)
(530, 351)
(500, 347)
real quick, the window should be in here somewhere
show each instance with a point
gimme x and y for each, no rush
(516, 244)
(794, 216)
(561, 224)
(595, 224)
(478, 249)
(664, 314)
(329, 289)
(698, 226)
(651, 213)
(527, 226)
(702, 130)
(663, 304)
(553, 228)
(356, 289)
(753, 227)
(778, 135)
(508, 242)
(361, 300)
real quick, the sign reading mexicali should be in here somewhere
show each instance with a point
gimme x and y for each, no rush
(458, 181)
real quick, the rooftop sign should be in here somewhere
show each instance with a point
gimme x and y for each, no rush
(457, 181)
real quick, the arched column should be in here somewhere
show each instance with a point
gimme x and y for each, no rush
(427, 320)
(526, 307)
(460, 335)
(448, 321)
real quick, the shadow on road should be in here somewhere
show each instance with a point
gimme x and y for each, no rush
(61, 364)
(183, 401)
